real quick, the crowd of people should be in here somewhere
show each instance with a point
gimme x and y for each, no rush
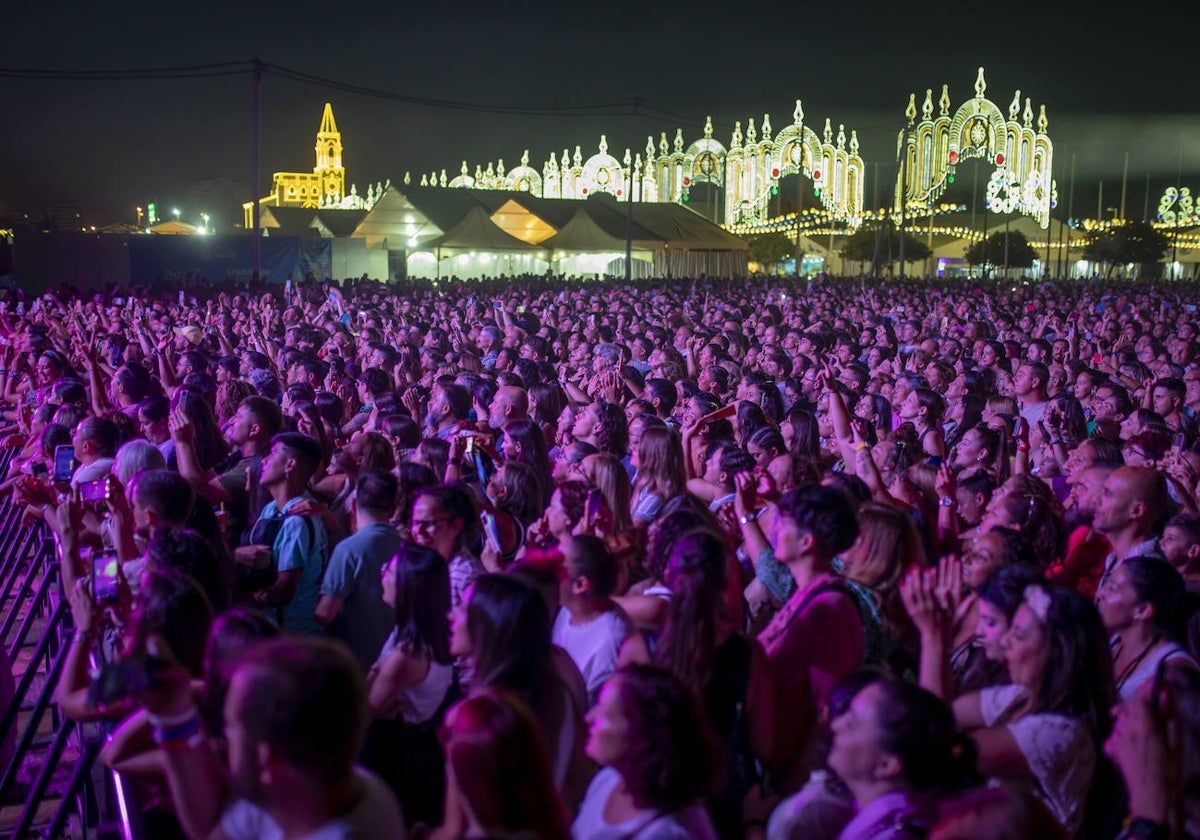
(674, 559)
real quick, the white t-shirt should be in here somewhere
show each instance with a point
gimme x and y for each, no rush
(594, 646)
(1058, 749)
(375, 817)
(690, 823)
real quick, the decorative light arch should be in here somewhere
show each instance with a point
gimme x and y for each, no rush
(1022, 156)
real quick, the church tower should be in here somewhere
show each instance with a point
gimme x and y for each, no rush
(329, 159)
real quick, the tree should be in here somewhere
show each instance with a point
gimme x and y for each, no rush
(1133, 241)
(991, 251)
(768, 249)
(860, 245)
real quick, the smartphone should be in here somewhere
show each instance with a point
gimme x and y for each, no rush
(1019, 426)
(1177, 444)
(723, 413)
(491, 532)
(119, 301)
(182, 297)
(39, 470)
(94, 491)
(591, 511)
(64, 463)
(105, 577)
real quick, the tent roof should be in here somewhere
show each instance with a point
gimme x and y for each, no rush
(478, 231)
(341, 222)
(582, 233)
(421, 213)
(665, 223)
(394, 217)
(517, 220)
(174, 227)
(290, 221)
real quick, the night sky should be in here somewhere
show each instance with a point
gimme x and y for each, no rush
(1115, 79)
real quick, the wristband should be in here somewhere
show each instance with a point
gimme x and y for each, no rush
(748, 518)
(83, 635)
(860, 446)
(1022, 447)
(947, 501)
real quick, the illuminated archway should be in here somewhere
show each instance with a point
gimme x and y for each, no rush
(1023, 156)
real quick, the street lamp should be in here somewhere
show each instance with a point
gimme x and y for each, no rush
(175, 210)
(204, 217)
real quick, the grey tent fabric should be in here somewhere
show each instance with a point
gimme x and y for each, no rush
(478, 232)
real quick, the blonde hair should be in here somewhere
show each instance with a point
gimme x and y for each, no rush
(660, 463)
(606, 473)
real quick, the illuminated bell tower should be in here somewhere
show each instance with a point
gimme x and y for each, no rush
(329, 159)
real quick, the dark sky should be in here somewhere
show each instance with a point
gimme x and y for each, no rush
(1114, 78)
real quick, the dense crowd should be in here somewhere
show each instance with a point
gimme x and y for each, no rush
(702, 559)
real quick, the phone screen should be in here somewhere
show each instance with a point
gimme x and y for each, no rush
(93, 491)
(105, 577)
(592, 511)
(491, 532)
(64, 463)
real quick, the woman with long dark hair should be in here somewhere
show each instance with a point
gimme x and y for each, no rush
(727, 671)
(503, 630)
(408, 686)
(897, 751)
(659, 757)
(1046, 728)
(497, 766)
(524, 441)
(1141, 602)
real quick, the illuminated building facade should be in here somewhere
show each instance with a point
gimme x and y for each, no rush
(324, 187)
(746, 173)
(1021, 153)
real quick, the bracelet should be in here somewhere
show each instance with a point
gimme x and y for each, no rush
(748, 518)
(860, 446)
(83, 635)
(1022, 447)
(947, 501)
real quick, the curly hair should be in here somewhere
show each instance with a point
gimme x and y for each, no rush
(670, 758)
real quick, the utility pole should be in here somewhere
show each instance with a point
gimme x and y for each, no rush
(903, 197)
(1124, 185)
(637, 103)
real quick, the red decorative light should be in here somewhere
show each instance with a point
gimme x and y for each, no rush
(954, 157)
(687, 181)
(817, 175)
(584, 191)
(1000, 159)
(618, 192)
(775, 172)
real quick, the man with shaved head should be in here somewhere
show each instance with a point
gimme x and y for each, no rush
(510, 403)
(1087, 548)
(1132, 501)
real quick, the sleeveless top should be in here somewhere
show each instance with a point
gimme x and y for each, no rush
(419, 702)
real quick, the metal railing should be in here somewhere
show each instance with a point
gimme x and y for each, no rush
(100, 803)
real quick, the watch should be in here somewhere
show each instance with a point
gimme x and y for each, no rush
(946, 501)
(748, 518)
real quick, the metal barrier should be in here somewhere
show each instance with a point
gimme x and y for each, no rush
(30, 593)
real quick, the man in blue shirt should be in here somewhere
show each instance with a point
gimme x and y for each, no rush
(351, 604)
(300, 546)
